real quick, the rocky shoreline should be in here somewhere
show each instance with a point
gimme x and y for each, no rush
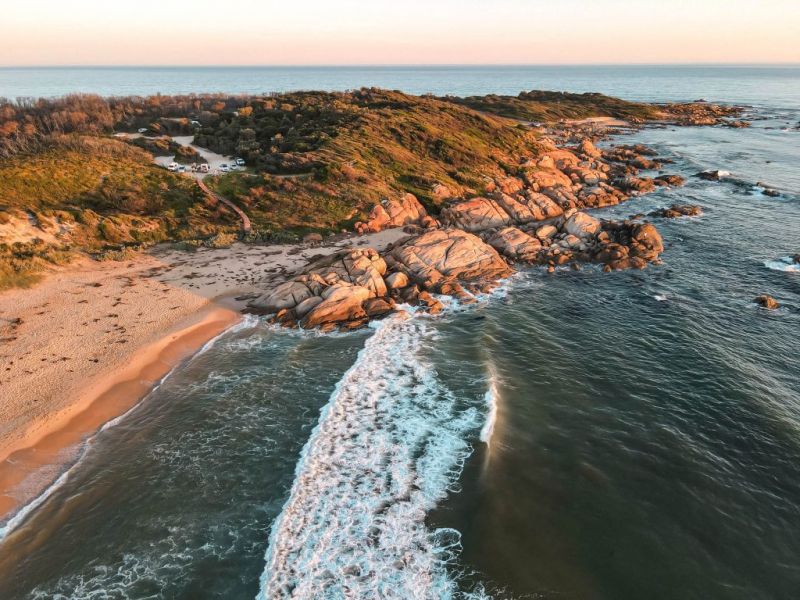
(536, 218)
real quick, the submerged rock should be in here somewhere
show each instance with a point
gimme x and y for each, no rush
(717, 175)
(671, 180)
(677, 210)
(767, 302)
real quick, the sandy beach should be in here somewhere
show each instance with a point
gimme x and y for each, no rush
(86, 344)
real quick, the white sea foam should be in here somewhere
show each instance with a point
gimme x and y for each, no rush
(492, 398)
(785, 264)
(387, 448)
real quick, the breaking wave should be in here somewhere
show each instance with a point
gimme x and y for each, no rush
(785, 263)
(492, 397)
(388, 447)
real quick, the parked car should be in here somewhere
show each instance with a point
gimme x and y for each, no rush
(224, 168)
(182, 168)
(240, 162)
(204, 168)
(143, 130)
(173, 166)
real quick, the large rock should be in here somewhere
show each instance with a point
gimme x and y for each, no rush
(475, 214)
(582, 225)
(285, 295)
(646, 242)
(588, 149)
(529, 206)
(515, 244)
(436, 256)
(342, 304)
(362, 267)
(767, 302)
(395, 213)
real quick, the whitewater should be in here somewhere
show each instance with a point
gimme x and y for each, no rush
(388, 447)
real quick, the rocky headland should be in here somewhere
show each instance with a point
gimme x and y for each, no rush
(473, 243)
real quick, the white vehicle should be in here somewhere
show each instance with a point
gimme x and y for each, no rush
(204, 168)
(195, 123)
(173, 166)
(240, 162)
(143, 130)
(182, 168)
(224, 168)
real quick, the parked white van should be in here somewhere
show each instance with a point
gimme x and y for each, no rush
(173, 166)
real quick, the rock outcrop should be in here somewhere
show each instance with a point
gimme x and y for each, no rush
(768, 302)
(532, 218)
(475, 214)
(396, 213)
(515, 244)
(447, 255)
(677, 210)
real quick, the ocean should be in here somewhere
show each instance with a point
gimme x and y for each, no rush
(577, 435)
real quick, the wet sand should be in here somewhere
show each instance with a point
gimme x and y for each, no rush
(88, 342)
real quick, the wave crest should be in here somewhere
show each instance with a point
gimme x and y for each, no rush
(387, 448)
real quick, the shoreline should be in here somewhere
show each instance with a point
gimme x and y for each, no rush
(87, 343)
(103, 401)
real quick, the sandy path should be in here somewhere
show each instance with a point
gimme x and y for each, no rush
(87, 343)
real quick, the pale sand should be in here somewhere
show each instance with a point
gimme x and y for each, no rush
(90, 340)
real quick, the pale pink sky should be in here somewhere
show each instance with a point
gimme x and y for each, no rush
(264, 32)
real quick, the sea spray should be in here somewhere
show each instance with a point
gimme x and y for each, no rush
(387, 448)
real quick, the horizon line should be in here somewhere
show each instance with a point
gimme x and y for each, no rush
(395, 65)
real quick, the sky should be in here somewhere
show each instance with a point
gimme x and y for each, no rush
(362, 32)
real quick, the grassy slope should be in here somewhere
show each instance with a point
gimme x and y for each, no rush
(544, 106)
(93, 194)
(321, 160)
(382, 143)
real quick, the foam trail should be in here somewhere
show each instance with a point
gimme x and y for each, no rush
(492, 398)
(19, 517)
(785, 263)
(388, 446)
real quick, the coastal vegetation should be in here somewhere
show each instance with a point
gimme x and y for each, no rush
(544, 106)
(93, 195)
(317, 162)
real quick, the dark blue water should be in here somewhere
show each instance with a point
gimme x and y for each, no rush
(776, 85)
(577, 435)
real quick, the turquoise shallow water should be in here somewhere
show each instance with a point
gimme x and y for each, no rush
(644, 438)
